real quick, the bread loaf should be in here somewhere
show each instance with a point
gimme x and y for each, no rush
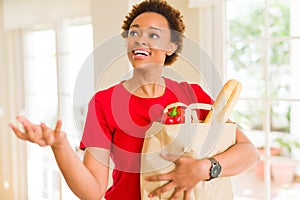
(225, 101)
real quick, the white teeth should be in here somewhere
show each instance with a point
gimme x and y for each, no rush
(141, 52)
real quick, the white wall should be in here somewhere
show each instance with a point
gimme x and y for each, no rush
(107, 21)
(4, 193)
(22, 13)
(12, 151)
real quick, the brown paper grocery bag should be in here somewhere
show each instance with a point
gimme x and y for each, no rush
(198, 140)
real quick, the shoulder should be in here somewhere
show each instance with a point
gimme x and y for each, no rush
(182, 85)
(108, 92)
(176, 84)
(103, 97)
(191, 90)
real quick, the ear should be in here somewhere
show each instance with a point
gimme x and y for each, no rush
(172, 47)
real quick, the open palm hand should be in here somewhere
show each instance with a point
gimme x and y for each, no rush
(39, 134)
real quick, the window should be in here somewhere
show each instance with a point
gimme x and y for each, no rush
(53, 58)
(262, 44)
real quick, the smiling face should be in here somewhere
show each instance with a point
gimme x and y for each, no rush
(148, 40)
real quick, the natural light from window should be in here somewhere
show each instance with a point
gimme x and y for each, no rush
(263, 41)
(53, 58)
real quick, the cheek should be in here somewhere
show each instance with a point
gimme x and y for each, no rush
(158, 55)
(129, 44)
(160, 50)
(159, 45)
(129, 48)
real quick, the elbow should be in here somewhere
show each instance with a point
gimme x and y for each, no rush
(255, 156)
(91, 197)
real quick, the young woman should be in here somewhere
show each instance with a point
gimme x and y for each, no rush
(119, 116)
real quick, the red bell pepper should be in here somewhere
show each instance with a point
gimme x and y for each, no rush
(174, 115)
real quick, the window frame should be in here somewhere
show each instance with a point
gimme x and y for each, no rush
(267, 101)
(61, 55)
(211, 19)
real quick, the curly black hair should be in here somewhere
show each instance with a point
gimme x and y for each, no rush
(173, 16)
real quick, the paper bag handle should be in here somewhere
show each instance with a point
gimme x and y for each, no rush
(172, 105)
(190, 110)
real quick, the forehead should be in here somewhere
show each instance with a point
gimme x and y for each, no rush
(150, 19)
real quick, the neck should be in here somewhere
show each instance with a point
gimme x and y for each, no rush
(145, 84)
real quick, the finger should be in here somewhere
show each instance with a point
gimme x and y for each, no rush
(160, 177)
(58, 126)
(177, 193)
(27, 125)
(24, 120)
(187, 194)
(18, 132)
(170, 157)
(46, 133)
(169, 186)
(30, 133)
(37, 137)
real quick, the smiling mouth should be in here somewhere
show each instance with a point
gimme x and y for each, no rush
(139, 52)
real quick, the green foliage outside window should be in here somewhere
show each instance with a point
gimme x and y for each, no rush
(253, 33)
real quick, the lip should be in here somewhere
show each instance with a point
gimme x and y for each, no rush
(140, 53)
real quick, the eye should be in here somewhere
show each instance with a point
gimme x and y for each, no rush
(133, 33)
(154, 36)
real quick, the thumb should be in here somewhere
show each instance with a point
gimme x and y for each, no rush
(58, 126)
(170, 157)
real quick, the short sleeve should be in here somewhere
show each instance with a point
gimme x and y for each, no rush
(96, 132)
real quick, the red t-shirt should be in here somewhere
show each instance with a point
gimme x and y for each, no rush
(117, 120)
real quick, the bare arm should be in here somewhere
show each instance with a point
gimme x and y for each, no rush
(240, 157)
(87, 179)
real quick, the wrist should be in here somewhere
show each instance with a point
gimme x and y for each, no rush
(205, 169)
(215, 168)
(60, 142)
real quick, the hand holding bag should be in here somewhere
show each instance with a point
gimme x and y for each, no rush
(194, 139)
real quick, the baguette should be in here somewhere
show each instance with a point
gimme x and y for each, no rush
(225, 101)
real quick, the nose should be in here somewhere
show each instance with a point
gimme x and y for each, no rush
(142, 40)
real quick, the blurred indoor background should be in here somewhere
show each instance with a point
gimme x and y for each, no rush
(44, 44)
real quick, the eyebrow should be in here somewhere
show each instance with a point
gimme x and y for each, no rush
(150, 27)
